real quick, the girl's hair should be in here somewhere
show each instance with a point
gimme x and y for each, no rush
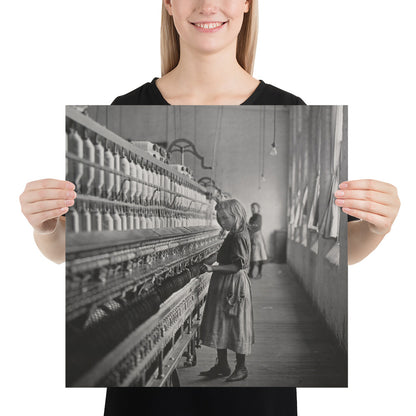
(236, 209)
(246, 41)
(256, 204)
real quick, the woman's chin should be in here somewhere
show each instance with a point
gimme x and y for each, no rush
(209, 46)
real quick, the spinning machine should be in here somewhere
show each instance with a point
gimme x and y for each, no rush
(136, 239)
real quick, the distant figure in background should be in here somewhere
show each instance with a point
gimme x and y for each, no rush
(258, 246)
(227, 322)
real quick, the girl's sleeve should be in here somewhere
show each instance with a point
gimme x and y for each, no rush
(240, 251)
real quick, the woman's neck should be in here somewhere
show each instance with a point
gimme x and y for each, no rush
(207, 79)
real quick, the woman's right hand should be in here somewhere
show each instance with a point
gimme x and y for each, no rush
(44, 201)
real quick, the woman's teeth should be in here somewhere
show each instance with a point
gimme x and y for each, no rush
(208, 25)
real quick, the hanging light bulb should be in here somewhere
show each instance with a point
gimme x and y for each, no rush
(273, 150)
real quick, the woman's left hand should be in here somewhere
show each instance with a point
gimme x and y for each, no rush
(373, 201)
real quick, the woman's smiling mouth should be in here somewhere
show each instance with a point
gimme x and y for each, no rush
(208, 26)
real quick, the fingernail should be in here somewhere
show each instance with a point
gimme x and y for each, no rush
(339, 201)
(64, 209)
(346, 210)
(339, 193)
(343, 185)
(71, 194)
(70, 185)
(69, 202)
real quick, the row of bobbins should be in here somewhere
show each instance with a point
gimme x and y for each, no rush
(127, 191)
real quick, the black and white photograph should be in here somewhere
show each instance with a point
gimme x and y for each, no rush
(204, 248)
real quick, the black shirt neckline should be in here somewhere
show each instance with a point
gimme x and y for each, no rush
(252, 98)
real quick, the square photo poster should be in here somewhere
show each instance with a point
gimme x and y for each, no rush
(204, 248)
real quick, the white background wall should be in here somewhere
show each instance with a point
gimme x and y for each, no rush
(328, 52)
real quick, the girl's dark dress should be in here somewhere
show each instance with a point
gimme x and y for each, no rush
(227, 322)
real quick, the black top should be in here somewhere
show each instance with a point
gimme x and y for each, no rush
(231, 401)
(264, 94)
(202, 401)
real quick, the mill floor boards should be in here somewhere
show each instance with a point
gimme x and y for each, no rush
(293, 346)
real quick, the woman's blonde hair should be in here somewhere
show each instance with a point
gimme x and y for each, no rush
(246, 42)
(234, 208)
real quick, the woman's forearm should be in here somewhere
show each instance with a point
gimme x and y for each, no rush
(361, 241)
(52, 245)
